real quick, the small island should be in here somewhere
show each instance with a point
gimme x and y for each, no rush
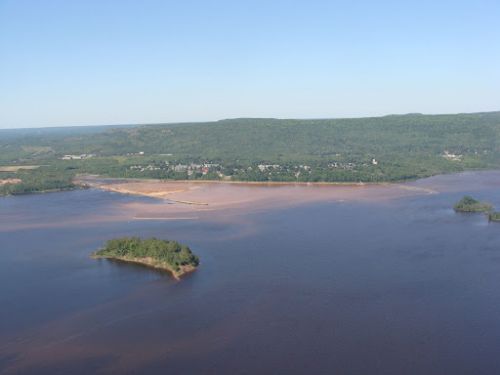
(167, 255)
(494, 216)
(469, 204)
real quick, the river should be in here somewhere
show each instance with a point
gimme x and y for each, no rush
(399, 286)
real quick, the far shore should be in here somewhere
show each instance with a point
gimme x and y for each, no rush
(90, 179)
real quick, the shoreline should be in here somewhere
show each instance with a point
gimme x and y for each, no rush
(203, 195)
(150, 263)
(81, 181)
(46, 191)
(299, 183)
(169, 190)
(84, 181)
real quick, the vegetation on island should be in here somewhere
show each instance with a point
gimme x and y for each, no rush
(376, 149)
(163, 254)
(469, 204)
(494, 216)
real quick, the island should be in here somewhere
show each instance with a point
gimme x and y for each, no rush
(469, 204)
(167, 255)
(494, 216)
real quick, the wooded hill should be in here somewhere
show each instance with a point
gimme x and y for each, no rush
(388, 148)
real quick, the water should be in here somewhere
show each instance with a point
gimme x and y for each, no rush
(399, 287)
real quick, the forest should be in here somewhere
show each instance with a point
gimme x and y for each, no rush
(469, 204)
(376, 149)
(151, 251)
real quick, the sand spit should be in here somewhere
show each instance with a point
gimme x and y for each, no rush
(178, 198)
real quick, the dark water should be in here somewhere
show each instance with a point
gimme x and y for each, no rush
(400, 287)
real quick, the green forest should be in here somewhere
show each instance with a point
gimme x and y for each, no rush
(494, 216)
(469, 204)
(171, 253)
(389, 148)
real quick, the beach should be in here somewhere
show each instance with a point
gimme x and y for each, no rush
(200, 196)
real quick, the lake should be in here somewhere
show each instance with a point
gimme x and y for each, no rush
(398, 286)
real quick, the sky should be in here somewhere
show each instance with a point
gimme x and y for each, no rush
(88, 62)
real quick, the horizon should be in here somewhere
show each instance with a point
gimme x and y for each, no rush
(248, 118)
(87, 63)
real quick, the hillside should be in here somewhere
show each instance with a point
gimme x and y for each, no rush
(388, 148)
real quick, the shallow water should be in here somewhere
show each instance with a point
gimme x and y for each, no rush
(401, 286)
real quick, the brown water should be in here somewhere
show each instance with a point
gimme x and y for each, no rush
(403, 286)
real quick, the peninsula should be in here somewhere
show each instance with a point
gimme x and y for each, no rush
(167, 255)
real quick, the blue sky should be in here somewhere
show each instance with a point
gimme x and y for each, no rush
(73, 62)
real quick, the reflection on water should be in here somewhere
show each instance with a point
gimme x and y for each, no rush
(400, 287)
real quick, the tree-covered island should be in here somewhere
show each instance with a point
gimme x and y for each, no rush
(494, 216)
(469, 204)
(171, 256)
